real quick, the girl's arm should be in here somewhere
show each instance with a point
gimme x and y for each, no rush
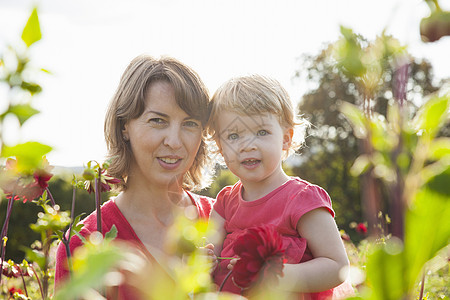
(324, 270)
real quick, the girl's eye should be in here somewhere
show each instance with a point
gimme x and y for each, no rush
(192, 124)
(233, 136)
(262, 132)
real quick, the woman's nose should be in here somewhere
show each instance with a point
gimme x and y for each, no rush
(173, 137)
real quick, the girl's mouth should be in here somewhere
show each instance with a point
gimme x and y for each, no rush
(251, 162)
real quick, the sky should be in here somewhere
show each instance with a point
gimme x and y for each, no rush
(87, 44)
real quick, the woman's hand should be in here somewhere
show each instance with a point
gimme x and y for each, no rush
(208, 250)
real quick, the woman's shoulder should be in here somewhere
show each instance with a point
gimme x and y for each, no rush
(203, 203)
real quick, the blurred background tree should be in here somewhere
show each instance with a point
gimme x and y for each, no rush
(331, 147)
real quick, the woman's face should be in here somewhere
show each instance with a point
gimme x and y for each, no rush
(164, 139)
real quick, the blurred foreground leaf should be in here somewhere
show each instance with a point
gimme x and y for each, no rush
(90, 265)
(23, 112)
(32, 31)
(28, 155)
(427, 230)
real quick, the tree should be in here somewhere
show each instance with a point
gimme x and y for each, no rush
(331, 147)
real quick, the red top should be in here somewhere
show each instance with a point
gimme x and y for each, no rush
(283, 208)
(111, 215)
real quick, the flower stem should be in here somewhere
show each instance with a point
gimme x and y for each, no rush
(422, 286)
(97, 201)
(23, 280)
(66, 241)
(51, 196)
(38, 280)
(5, 232)
(224, 280)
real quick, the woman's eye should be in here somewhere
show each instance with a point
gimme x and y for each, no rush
(262, 132)
(233, 136)
(192, 124)
(157, 121)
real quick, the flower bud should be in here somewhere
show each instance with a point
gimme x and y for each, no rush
(88, 174)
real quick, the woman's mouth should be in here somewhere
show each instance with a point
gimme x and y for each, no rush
(169, 163)
(168, 160)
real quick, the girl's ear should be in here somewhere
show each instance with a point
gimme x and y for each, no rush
(287, 138)
(219, 146)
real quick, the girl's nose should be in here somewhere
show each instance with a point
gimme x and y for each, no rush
(248, 144)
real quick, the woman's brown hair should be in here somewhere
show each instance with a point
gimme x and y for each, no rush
(128, 103)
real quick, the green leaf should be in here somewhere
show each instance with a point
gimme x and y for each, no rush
(439, 183)
(432, 115)
(89, 270)
(348, 53)
(385, 271)
(112, 234)
(356, 118)
(28, 155)
(32, 31)
(22, 111)
(381, 138)
(361, 165)
(427, 230)
(34, 256)
(33, 88)
(439, 148)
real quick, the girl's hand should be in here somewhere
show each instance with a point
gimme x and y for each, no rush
(232, 263)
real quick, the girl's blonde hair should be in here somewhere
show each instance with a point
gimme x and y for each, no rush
(128, 103)
(255, 95)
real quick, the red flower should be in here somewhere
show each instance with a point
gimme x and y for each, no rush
(361, 228)
(261, 256)
(25, 187)
(14, 290)
(105, 183)
(10, 269)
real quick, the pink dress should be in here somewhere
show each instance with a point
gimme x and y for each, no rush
(282, 208)
(111, 215)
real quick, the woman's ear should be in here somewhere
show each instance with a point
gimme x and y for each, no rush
(125, 134)
(287, 138)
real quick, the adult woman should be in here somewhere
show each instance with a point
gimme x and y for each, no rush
(154, 133)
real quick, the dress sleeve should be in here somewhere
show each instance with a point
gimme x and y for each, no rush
(219, 206)
(308, 199)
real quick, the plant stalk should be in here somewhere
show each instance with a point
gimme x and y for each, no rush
(97, 201)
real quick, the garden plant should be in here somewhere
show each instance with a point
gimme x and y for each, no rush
(403, 156)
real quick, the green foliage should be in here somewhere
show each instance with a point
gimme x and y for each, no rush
(397, 150)
(90, 265)
(32, 31)
(28, 155)
(26, 213)
(224, 178)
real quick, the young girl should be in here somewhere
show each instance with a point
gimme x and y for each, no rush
(255, 128)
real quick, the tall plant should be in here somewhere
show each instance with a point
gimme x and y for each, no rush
(405, 153)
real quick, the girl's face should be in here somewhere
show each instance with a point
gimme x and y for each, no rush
(253, 147)
(164, 139)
